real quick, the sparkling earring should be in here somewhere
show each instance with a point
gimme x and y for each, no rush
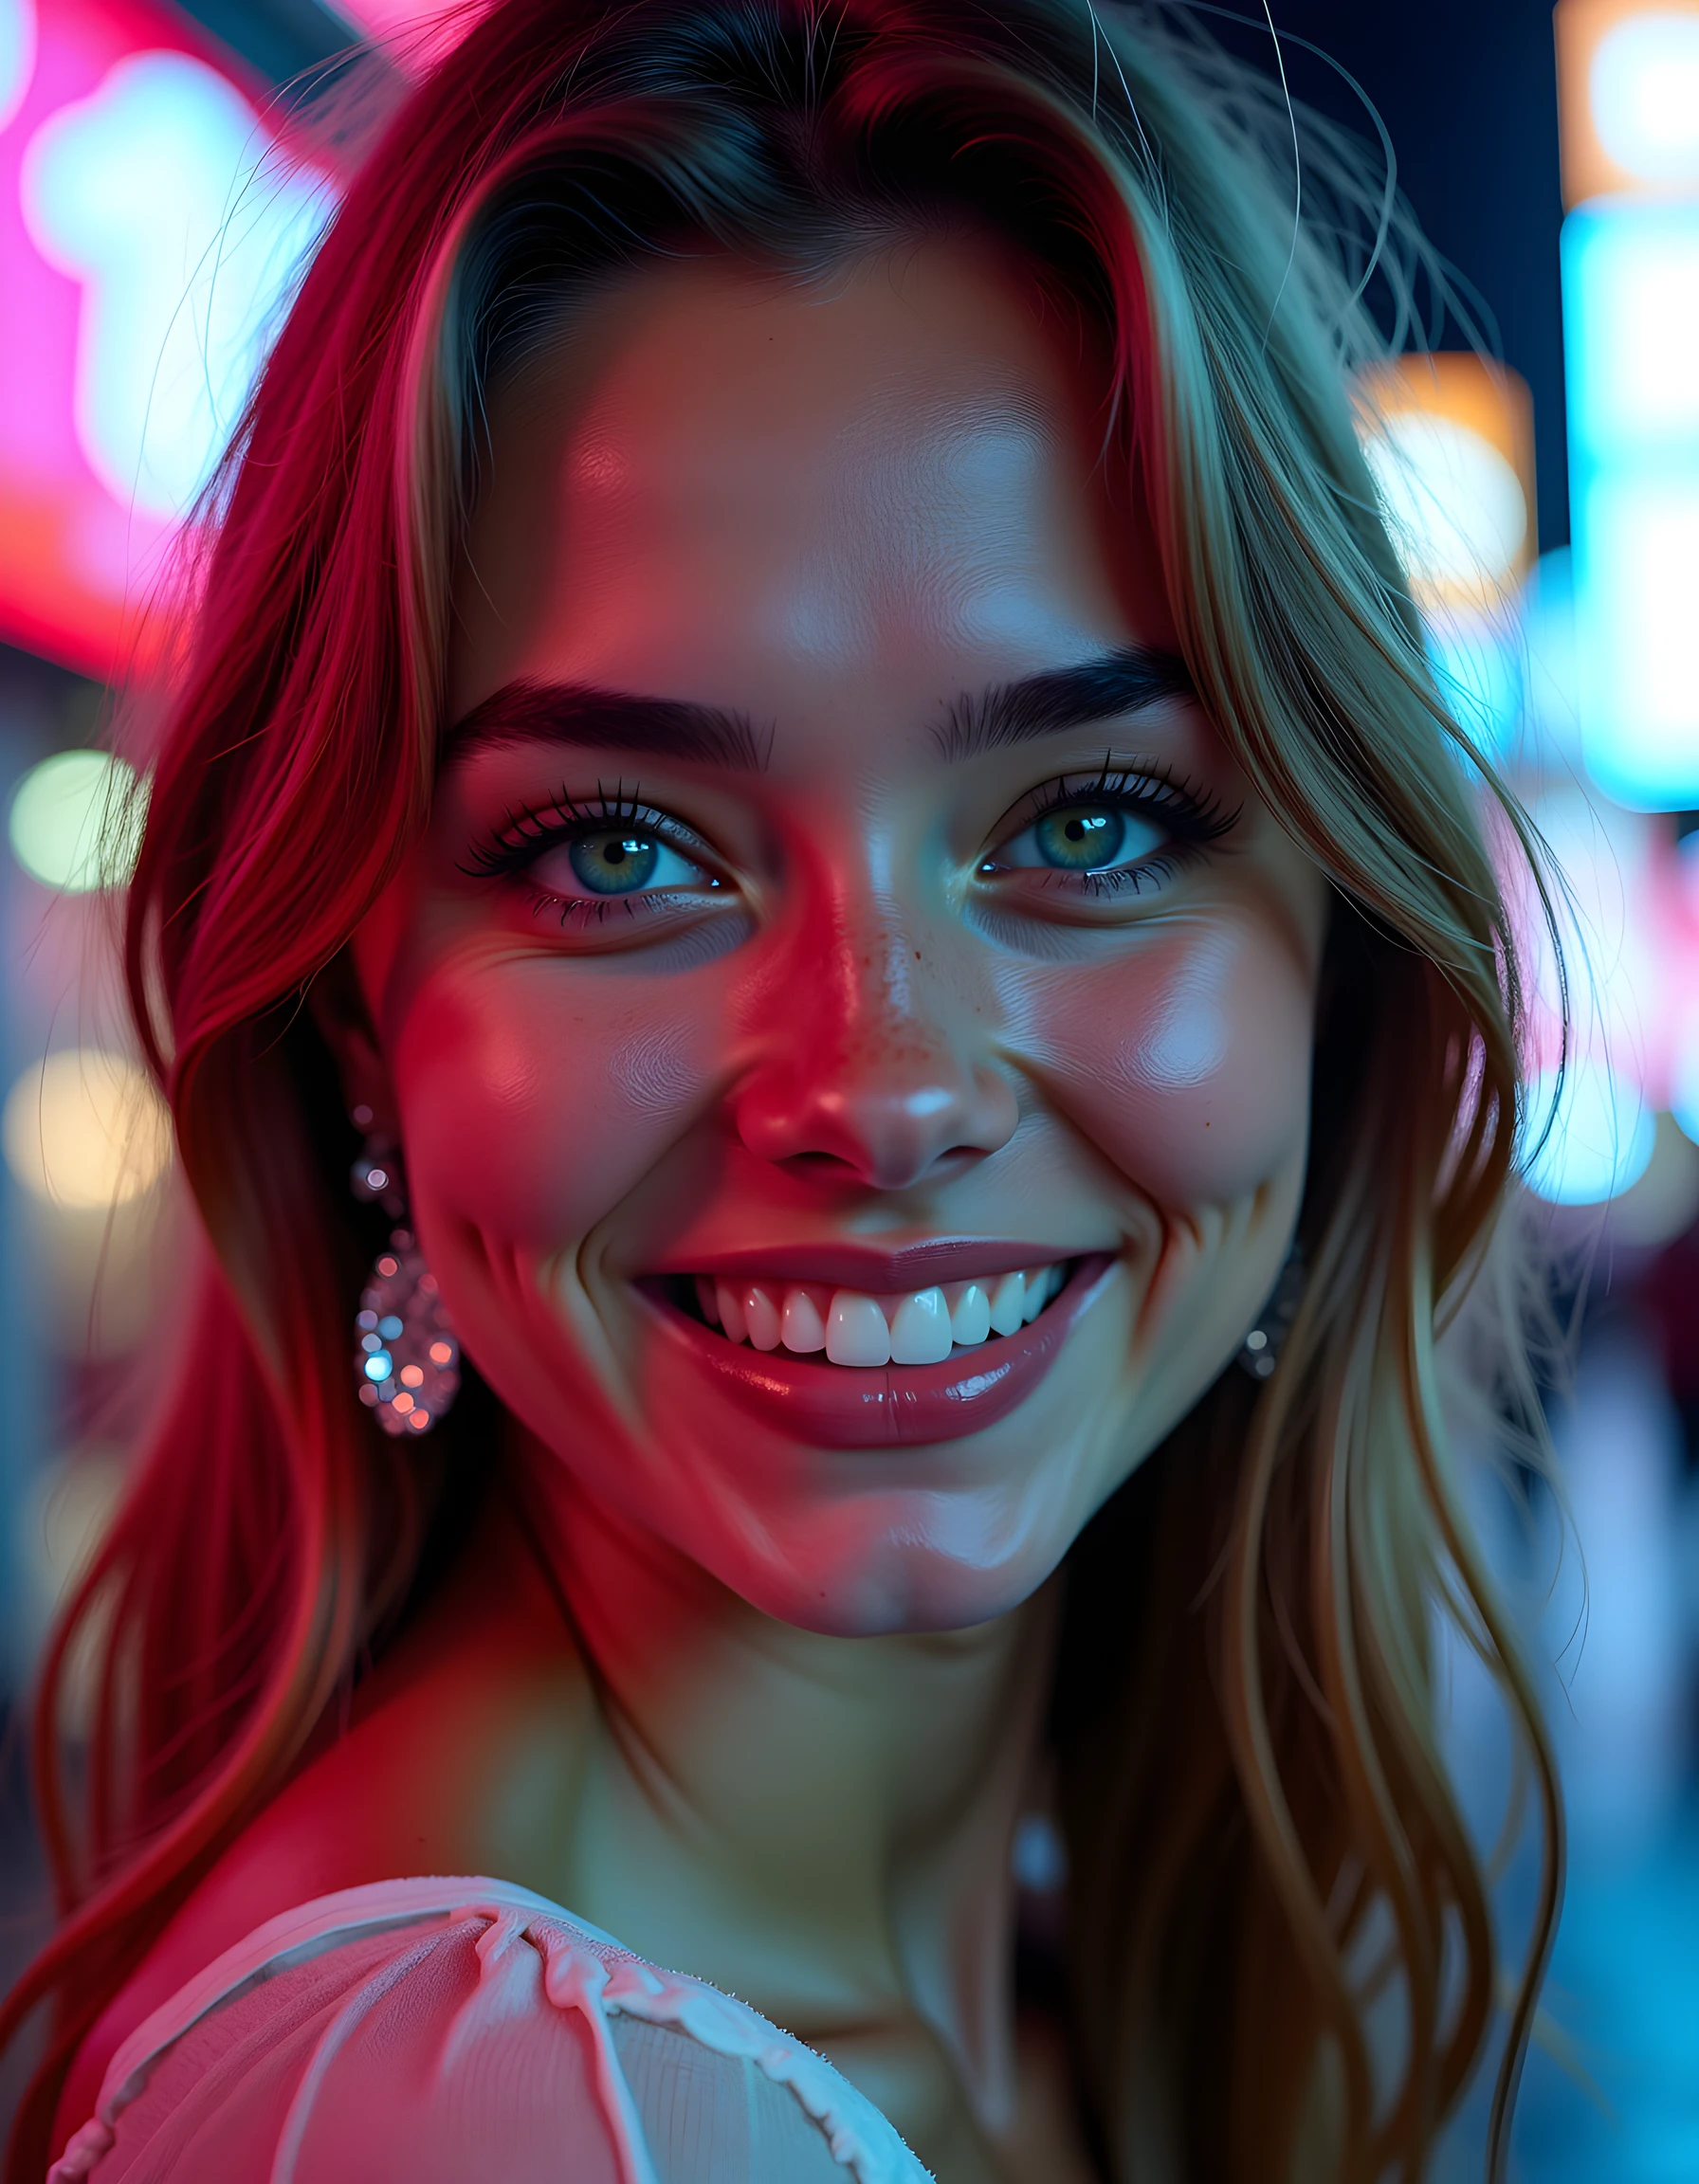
(408, 1362)
(1260, 1351)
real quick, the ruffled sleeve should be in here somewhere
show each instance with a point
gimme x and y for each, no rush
(465, 2032)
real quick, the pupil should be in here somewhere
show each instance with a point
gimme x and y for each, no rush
(613, 864)
(1079, 841)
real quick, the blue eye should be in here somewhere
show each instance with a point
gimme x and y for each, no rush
(614, 861)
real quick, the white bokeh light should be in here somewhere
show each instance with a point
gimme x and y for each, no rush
(84, 1129)
(72, 823)
(1455, 506)
(1644, 92)
(156, 194)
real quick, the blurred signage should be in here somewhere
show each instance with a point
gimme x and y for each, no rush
(1449, 440)
(1630, 307)
(150, 225)
(1629, 90)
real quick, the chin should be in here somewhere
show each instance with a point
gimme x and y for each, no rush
(935, 1565)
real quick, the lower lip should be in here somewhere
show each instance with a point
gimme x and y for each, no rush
(887, 1406)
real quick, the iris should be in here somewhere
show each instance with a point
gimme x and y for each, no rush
(614, 864)
(1080, 839)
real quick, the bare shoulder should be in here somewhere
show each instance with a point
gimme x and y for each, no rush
(416, 1784)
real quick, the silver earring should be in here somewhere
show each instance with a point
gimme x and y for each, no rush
(1260, 1351)
(408, 1362)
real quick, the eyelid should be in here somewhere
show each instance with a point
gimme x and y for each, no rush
(530, 832)
(1202, 816)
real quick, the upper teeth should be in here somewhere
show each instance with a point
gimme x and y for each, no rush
(855, 1327)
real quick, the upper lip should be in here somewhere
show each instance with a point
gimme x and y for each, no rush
(868, 1266)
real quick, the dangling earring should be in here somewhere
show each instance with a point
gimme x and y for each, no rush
(1260, 1351)
(408, 1363)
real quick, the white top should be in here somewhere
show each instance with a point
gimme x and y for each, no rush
(466, 2032)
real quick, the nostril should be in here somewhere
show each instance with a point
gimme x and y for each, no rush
(821, 1164)
(884, 1128)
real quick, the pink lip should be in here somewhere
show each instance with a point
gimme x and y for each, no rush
(890, 1406)
(865, 1267)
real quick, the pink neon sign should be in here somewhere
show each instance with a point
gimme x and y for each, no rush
(114, 120)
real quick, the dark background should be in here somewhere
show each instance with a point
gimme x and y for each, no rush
(1467, 92)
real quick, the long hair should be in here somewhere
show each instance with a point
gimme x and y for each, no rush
(1253, 1799)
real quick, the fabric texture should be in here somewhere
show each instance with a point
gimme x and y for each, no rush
(466, 2032)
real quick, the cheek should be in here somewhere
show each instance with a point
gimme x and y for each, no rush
(533, 1101)
(1187, 1064)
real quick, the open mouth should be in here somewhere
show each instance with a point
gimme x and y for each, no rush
(839, 1346)
(864, 1329)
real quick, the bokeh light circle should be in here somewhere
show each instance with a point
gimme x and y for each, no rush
(1453, 505)
(73, 823)
(1644, 91)
(1600, 1138)
(85, 1129)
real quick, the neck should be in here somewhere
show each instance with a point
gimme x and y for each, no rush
(821, 1824)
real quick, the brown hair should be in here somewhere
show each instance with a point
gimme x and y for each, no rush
(1250, 1782)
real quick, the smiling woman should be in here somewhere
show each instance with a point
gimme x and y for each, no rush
(801, 674)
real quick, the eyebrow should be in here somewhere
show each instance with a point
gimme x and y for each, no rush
(1127, 680)
(582, 716)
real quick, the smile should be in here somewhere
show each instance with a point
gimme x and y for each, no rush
(860, 1329)
(837, 1366)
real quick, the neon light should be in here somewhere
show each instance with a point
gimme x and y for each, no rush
(1643, 88)
(79, 547)
(1630, 299)
(1631, 309)
(1477, 664)
(1640, 651)
(17, 54)
(153, 196)
(1600, 1138)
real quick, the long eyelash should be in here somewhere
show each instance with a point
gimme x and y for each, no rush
(1203, 818)
(523, 833)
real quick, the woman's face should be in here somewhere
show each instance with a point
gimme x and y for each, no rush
(834, 909)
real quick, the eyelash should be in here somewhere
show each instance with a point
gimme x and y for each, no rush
(530, 831)
(1199, 820)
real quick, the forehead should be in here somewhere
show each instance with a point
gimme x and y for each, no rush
(716, 482)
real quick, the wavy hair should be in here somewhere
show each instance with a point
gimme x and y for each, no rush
(1260, 1829)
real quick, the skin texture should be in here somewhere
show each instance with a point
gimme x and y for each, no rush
(818, 1674)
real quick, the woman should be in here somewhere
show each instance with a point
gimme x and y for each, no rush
(804, 745)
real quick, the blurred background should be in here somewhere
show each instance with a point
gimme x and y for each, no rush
(163, 170)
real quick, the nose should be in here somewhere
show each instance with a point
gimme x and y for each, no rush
(866, 1072)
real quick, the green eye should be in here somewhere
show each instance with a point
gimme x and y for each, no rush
(1082, 837)
(1081, 840)
(614, 864)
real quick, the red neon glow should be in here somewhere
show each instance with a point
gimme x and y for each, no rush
(76, 560)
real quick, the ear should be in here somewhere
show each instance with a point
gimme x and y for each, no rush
(339, 1008)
